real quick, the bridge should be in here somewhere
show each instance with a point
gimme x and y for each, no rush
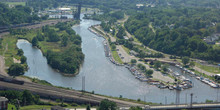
(179, 107)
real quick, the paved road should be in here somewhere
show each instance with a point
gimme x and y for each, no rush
(178, 107)
(54, 92)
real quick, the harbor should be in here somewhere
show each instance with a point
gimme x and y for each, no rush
(207, 81)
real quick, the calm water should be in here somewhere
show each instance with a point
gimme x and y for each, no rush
(103, 77)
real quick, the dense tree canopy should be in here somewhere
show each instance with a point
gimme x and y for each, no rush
(107, 105)
(70, 56)
(16, 15)
(16, 70)
(177, 31)
(24, 97)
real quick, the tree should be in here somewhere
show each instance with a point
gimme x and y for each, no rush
(136, 108)
(64, 40)
(107, 105)
(88, 107)
(133, 61)
(149, 72)
(165, 68)
(113, 47)
(20, 52)
(34, 42)
(27, 98)
(23, 59)
(121, 33)
(218, 28)
(16, 70)
(185, 60)
(157, 64)
(192, 64)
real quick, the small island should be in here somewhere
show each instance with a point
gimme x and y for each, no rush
(59, 44)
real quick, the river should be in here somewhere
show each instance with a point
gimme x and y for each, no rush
(105, 78)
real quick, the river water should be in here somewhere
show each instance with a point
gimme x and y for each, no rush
(105, 78)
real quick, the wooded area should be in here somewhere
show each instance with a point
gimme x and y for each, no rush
(178, 31)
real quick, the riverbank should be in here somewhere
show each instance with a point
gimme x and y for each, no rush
(138, 75)
(61, 46)
(107, 48)
(10, 53)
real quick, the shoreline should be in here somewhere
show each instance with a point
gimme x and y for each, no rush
(64, 74)
(133, 71)
(107, 49)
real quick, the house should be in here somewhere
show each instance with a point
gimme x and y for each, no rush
(3, 103)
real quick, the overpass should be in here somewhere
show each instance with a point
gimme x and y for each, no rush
(179, 107)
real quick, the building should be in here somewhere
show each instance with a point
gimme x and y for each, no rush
(3, 103)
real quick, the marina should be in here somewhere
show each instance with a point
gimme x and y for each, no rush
(200, 78)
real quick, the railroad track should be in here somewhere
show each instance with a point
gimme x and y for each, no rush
(58, 93)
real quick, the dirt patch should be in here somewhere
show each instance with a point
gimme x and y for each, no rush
(16, 60)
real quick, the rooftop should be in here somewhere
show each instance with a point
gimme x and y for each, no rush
(3, 99)
(64, 9)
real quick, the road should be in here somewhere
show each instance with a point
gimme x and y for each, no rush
(59, 93)
(178, 107)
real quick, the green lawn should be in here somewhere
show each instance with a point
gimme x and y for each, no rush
(15, 3)
(116, 57)
(11, 107)
(126, 49)
(10, 49)
(36, 107)
(209, 68)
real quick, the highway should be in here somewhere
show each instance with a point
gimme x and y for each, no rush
(178, 107)
(50, 92)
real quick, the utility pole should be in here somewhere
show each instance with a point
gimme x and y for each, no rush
(177, 96)
(83, 83)
(186, 99)
(217, 94)
(165, 100)
(191, 95)
(144, 98)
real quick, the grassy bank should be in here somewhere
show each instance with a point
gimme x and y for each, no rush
(36, 107)
(116, 57)
(211, 69)
(9, 49)
(15, 3)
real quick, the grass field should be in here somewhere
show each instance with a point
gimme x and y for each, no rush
(11, 107)
(15, 3)
(126, 49)
(9, 49)
(116, 57)
(209, 68)
(36, 107)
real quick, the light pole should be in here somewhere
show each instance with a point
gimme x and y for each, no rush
(191, 99)
(165, 100)
(217, 94)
